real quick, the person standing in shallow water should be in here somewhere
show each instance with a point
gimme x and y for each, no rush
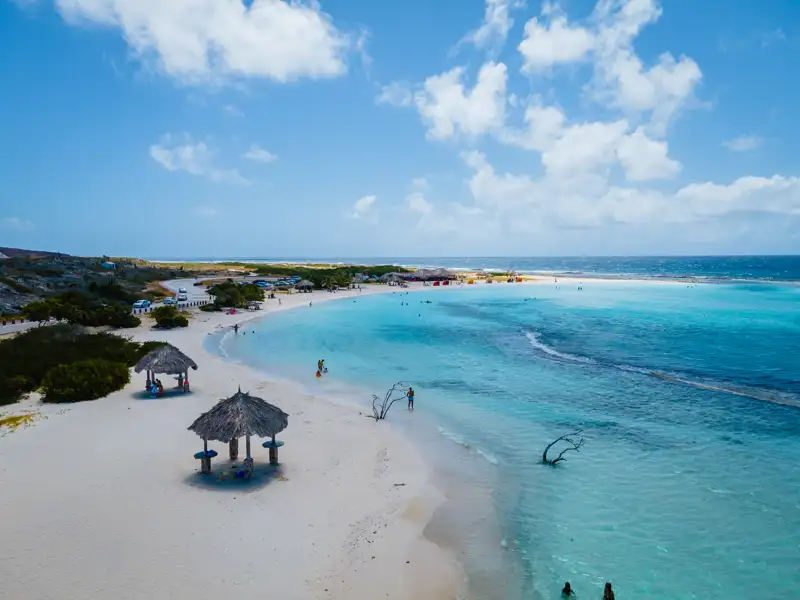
(410, 396)
(567, 591)
(608, 593)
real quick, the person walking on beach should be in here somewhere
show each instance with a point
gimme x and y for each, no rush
(608, 593)
(236, 328)
(410, 396)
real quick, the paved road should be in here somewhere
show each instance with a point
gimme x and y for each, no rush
(9, 328)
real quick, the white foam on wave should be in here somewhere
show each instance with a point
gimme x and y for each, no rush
(541, 346)
(787, 399)
(487, 456)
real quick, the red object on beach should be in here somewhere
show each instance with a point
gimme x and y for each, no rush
(319, 374)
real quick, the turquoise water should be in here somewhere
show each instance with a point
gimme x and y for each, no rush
(688, 485)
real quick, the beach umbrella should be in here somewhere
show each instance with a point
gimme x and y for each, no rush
(241, 415)
(166, 359)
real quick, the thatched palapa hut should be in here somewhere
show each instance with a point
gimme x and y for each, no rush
(168, 360)
(241, 415)
(304, 285)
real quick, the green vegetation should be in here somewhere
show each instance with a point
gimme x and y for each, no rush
(326, 276)
(168, 317)
(84, 380)
(26, 359)
(84, 308)
(233, 295)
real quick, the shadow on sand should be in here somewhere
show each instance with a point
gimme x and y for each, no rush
(169, 393)
(223, 477)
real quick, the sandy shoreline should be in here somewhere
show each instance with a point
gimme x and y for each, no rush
(101, 499)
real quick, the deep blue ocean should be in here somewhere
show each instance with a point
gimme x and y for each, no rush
(687, 395)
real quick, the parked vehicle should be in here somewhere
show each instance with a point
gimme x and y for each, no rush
(170, 301)
(141, 304)
(182, 297)
(182, 290)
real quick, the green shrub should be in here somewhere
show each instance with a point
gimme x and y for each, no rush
(26, 359)
(84, 380)
(213, 307)
(168, 317)
(81, 309)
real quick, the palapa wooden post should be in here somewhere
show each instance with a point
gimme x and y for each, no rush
(233, 447)
(273, 453)
(248, 462)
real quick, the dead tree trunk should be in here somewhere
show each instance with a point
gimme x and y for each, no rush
(568, 439)
(380, 408)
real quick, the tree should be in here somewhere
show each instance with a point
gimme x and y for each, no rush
(571, 445)
(38, 311)
(380, 408)
(168, 317)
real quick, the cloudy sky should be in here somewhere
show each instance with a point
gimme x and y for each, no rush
(175, 128)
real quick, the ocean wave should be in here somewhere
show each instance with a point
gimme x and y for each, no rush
(549, 350)
(745, 391)
(487, 456)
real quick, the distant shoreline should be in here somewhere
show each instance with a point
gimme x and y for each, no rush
(469, 266)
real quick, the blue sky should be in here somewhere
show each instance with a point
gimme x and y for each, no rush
(414, 128)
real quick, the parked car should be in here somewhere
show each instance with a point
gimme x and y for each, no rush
(141, 304)
(182, 290)
(170, 301)
(182, 297)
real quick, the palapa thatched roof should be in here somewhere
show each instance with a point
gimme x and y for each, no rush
(304, 283)
(165, 359)
(391, 277)
(432, 274)
(240, 415)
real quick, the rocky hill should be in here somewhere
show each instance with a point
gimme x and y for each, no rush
(27, 276)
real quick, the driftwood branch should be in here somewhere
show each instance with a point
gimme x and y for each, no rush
(573, 444)
(380, 407)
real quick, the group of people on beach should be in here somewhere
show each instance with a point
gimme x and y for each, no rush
(321, 368)
(568, 592)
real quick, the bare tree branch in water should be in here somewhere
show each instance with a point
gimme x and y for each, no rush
(571, 442)
(380, 408)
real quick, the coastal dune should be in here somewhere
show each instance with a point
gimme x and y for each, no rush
(102, 499)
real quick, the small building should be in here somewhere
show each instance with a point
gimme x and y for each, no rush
(3, 256)
(107, 264)
(304, 286)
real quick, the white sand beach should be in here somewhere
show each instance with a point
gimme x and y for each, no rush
(102, 499)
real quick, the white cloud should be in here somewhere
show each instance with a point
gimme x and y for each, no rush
(258, 154)
(206, 212)
(620, 75)
(567, 149)
(197, 41)
(363, 207)
(448, 108)
(233, 111)
(546, 45)
(497, 22)
(417, 203)
(397, 93)
(361, 48)
(644, 159)
(744, 143)
(531, 204)
(16, 224)
(184, 153)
